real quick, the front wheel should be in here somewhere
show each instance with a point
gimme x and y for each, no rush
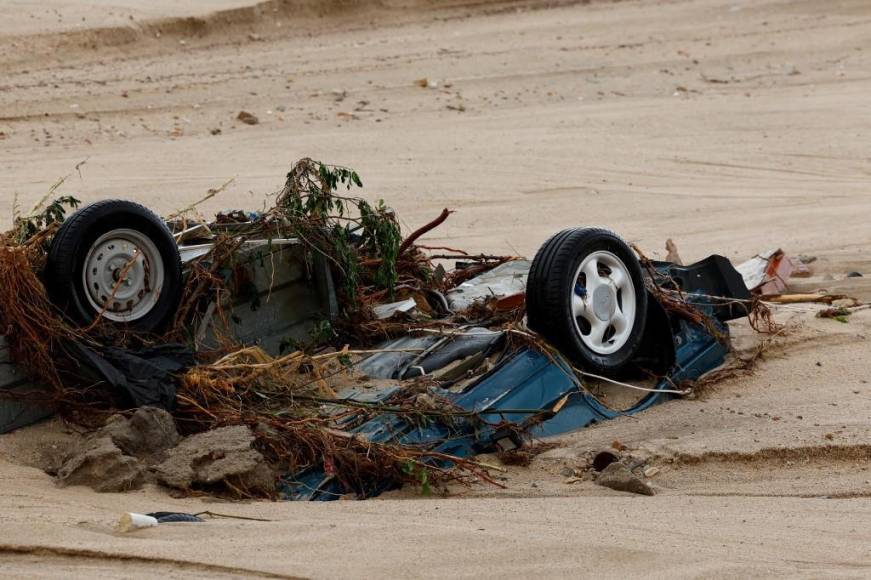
(585, 293)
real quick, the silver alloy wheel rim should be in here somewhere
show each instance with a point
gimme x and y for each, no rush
(605, 299)
(123, 275)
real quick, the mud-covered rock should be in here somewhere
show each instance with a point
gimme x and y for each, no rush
(247, 118)
(102, 466)
(619, 477)
(146, 434)
(219, 458)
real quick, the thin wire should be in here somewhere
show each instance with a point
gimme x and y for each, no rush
(630, 386)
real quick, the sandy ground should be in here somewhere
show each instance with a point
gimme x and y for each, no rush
(729, 126)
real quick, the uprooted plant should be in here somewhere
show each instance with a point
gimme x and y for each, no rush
(360, 239)
(290, 406)
(35, 330)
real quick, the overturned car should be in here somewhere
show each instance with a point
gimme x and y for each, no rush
(245, 320)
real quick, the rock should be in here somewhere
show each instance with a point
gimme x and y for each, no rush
(147, 433)
(247, 118)
(618, 477)
(102, 466)
(216, 458)
(854, 275)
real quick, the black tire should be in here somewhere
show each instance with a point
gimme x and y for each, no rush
(66, 257)
(550, 288)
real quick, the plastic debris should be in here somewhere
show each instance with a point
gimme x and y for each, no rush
(767, 273)
(132, 521)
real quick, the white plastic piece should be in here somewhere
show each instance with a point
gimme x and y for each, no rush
(132, 521)
(755, 270)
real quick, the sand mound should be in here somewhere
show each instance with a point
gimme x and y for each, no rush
(204, 26)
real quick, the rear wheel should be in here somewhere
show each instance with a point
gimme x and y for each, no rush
(117, 260)
(585, 293)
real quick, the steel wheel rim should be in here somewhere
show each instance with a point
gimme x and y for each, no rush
(603, 302)
(123, 275)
